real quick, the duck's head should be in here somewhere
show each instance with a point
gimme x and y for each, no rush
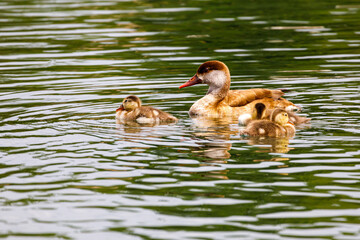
(279, 116)
(213, 73)
(130, 103)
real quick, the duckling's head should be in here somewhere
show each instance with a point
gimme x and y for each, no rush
(213, 73)
(131, 102)
(258, 111)
(279, 116)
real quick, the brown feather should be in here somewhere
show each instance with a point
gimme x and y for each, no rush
(264, 110)
(269, 103)
(264, 128)
(149, 112)
(238, 98)
(221, 101)
(268, 127)
(296, 119)
(144, 112)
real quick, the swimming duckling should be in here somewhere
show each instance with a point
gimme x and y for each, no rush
(261, 112)
(132, 110)
(277, 126)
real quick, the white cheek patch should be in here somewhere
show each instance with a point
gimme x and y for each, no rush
(218, 76)
(244, 118)
(216, 79)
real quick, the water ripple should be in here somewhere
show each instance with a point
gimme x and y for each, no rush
(69, 171)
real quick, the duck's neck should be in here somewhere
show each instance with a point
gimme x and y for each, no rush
(219, 85)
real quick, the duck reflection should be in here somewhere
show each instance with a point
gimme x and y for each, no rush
(134, 127)
(216, 132)
(269, 144)
(215, 135)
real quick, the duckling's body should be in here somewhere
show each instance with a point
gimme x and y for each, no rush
(264, 128)
(131, 110)
(277, 126)
(261, 111)
(221, 101)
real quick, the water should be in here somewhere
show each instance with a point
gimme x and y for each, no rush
(67, 171)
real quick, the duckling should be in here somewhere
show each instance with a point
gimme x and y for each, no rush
(261, 112)
(131, 110)
(257, 114)
(277, 126)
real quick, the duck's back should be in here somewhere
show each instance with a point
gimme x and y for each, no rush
(269, 103)
(147, 114)
(238, 98)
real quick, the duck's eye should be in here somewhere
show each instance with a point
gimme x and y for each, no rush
(285, 114)
(125, 100)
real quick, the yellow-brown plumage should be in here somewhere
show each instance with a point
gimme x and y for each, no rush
(277, 125)
(221, 101)
(238, 98)
(131, 109)
(249, 111)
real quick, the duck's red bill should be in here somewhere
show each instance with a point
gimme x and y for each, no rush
(194, 80)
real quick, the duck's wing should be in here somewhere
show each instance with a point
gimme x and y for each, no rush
(270, 104)
(238, 98)
(164, 116)
(156, 114)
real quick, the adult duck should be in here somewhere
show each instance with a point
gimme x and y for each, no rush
(220, 101)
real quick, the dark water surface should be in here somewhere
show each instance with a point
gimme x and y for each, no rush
(67, 171)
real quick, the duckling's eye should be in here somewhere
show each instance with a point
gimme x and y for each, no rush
(285, 114)
(125, 100)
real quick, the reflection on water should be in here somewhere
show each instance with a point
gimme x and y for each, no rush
(216, 132)
(215, 136)
(68, 171)
(276, 145)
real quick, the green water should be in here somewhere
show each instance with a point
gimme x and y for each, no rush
(68, 171)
